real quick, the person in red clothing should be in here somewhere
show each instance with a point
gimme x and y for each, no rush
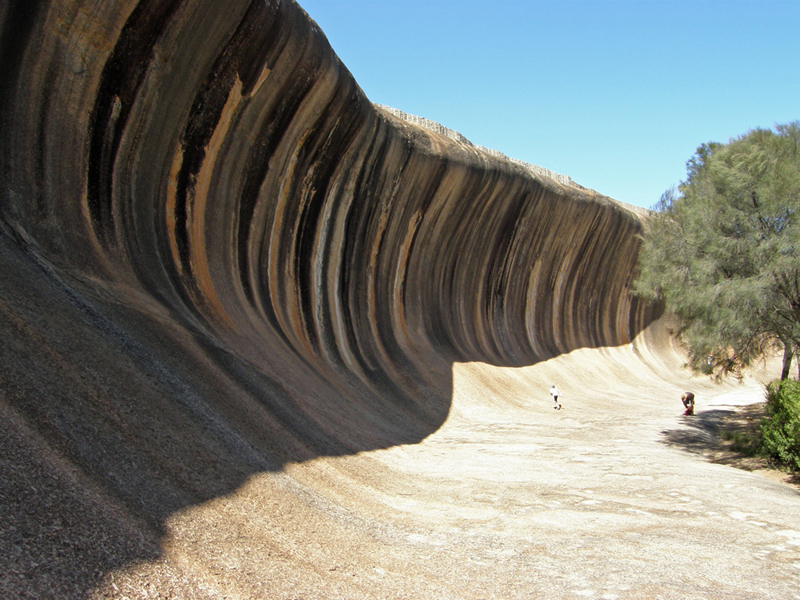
(688, 403)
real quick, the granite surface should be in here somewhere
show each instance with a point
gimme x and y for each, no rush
(260, 338)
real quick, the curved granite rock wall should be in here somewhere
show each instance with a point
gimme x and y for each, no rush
(220, 155)
(223, 253)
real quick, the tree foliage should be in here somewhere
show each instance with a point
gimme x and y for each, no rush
(723, 250)
(780, 429)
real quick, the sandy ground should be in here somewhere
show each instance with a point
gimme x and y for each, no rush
(615, 496)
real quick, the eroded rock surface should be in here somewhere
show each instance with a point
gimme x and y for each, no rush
(227, 276)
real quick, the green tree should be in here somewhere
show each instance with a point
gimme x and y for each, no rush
(780, 429)
(723, 251)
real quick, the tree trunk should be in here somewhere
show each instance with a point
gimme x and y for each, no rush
(787, 361)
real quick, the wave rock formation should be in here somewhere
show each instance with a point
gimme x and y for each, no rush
(220, 258)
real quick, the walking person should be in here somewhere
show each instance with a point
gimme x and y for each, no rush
(555, 394)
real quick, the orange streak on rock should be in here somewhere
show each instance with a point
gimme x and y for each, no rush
(197, 237)
(172, 191)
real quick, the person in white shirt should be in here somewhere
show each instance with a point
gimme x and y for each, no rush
(555, 394)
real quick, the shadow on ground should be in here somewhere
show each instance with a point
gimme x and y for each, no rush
(727, 436)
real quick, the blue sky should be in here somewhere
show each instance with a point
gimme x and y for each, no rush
(617, 94)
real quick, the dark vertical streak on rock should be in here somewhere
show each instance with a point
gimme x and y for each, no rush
(327, 146)
(120, 82)
(242, 57)
(17, 27)
(272, 44)
(19, 20)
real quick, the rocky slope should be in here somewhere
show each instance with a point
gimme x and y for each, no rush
(219, 258)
